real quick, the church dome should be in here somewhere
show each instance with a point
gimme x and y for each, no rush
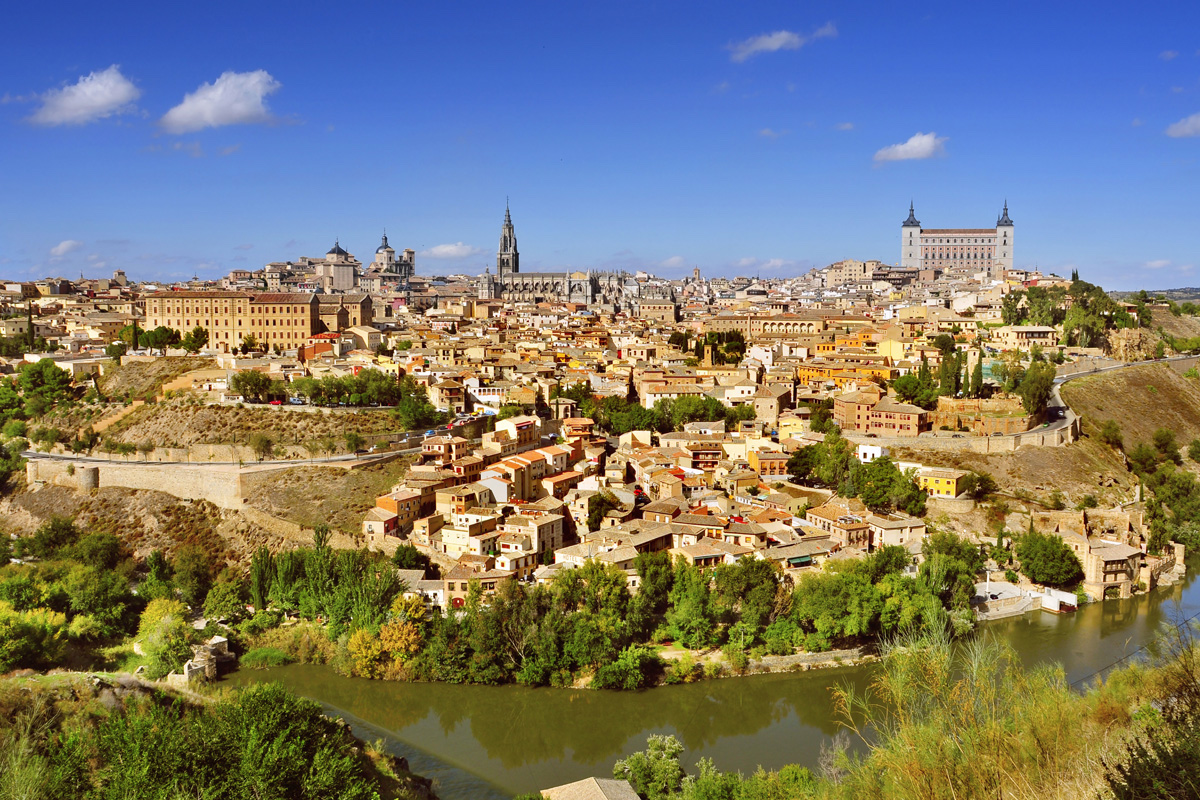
(384, 247)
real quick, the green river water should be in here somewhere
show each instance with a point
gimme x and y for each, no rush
(496, 741)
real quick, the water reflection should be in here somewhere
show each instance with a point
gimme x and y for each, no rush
(577, 732)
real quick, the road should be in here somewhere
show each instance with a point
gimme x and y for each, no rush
(364, 458)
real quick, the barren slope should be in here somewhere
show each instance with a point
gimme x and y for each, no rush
(1141, 399)
(141, 378)
(142, 520)
(181, 424)
(1076, 470)
(315, 494)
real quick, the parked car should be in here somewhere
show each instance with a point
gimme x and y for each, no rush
(276, 402)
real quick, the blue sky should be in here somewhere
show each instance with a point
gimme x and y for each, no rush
(168, 140)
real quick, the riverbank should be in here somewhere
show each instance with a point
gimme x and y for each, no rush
(496, 741)
(714, 664)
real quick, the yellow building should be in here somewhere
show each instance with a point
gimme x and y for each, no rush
(940, 481)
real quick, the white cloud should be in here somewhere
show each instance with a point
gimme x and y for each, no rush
(456, 250)
(721, 88)
(1137, 122)
(920, 145)
(1169, 55)
(243, 247)
(1157, 264)
(674, 262)
(94, 96)
(768, 133)
(1185, 127)
(193, 149)
(758, 266)
(64, 248)
(845, 126)
(235, 98)
(228, 151)
(779, 40)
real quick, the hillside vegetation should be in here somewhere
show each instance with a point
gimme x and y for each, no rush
(180, 424)
(143, 521)
(1181, 327)
(137, 379)
(79, 738)
(1140, 399)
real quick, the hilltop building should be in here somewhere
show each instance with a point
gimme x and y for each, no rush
(387, 265)
(612, 289)
(965, 250)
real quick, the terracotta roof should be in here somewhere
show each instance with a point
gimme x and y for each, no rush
(284, 297)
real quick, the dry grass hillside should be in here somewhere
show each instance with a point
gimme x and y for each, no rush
(331, 495)
(179, 423)
(143, 520)
(1086, 467)
(1180, 327)
(1141, 399)
(142, 378)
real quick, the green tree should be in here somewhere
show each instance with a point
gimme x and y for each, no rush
(193, 570)
(600, 504)
(1048, 559)
(115, 350)
(509, 411)
(161, 338)
(654, 773)
(1194, 450)
(977, 377)
(1036, 387)
(45, 380)
(261, 445)
(226, 600)
(1164, 442)
(195, 341)
(1110, 434)
(409, 557)
(252, 385)
(354, 442)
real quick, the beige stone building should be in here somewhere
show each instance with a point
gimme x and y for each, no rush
(283, 319)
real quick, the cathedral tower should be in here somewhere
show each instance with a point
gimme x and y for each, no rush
(508, 260)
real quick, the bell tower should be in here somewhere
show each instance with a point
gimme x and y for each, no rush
(508, 260)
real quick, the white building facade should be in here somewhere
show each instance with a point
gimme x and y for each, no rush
(969, 250)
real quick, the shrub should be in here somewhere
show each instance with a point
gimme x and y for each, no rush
(1110, 434)
(264, 657)
(635, 668)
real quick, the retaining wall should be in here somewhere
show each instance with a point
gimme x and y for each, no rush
(221, 487)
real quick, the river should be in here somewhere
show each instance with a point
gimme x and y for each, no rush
(494, 742)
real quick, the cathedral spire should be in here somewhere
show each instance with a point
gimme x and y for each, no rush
(507, 257)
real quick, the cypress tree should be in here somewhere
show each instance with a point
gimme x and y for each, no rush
(29, 320)
(977, 378)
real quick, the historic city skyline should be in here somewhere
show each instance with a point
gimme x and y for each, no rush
(768, 142)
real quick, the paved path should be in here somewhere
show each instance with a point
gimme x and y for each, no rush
(362, 458)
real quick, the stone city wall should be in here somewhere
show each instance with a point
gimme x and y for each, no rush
(221, 487)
